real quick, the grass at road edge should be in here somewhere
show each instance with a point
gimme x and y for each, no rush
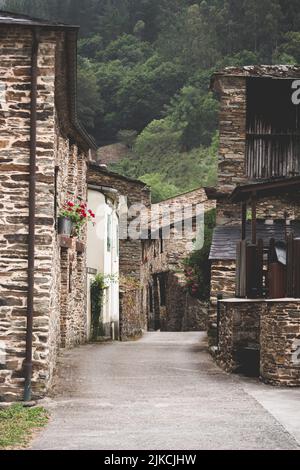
(17, 425)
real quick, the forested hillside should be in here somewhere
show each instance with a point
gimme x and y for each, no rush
(144, 69)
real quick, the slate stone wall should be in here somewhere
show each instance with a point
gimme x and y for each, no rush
(132, 323)
(239, 328)
(183, 312)
(53, 299)
(168, 257)
(133, 302)
(280, 343)
(230, 85)
(272, 326)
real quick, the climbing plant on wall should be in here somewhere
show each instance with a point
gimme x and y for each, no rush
(98, 286)
(197, 265)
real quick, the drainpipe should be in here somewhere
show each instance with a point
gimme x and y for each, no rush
(32, 209)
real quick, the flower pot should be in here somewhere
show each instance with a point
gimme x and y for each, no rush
(65, 226)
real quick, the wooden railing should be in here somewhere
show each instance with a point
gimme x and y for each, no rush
(273, 276)
(249, 269)
(293, 267)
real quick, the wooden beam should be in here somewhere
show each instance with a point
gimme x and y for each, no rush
(272, 188)
(254, 226)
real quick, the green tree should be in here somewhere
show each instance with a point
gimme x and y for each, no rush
(195, 112)
(198, 261)
(108, 121)
(128, 49)
(89, 102)
(190, 38)
(261, 23)
(127, 137)
(157, 150)
(91, 47)
(289, 50)
(158, 138)
(160, 189)
(150, 60)
(146, 89)
(290, 15)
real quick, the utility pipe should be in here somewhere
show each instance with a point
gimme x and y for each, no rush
(32, 211)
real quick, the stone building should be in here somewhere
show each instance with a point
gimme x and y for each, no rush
(103, 261)
(257, 220)
(171, 239)
(43, 161)
(133, 195)
(112, 153)
(239, 91)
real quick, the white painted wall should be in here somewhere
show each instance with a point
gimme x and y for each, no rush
(103, 252)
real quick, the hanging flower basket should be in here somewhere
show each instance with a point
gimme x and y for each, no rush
(73, 216)
(64, 226)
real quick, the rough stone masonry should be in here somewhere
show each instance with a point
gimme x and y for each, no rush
(273, 326)
(62, 152)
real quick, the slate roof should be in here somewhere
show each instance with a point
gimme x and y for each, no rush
(96, 166)
(16, 19)
(225, 238)
(265, 71)
(10, 18)
(267, 188)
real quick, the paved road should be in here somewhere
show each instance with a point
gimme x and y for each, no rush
(162, 392)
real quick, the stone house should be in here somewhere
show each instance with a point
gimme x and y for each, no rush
(132, 195)
(258, 322)
(239, 90)
(103, 260)
(171, 239)
(149, 264)
(112, 153)
(43, 160)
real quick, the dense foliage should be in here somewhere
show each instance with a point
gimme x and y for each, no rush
(98, 286)
(197, 266)
(144, 67)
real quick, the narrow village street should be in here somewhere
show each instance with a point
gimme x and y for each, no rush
(149, 220)
(163, 392)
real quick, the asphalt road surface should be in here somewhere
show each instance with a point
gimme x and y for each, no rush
(162, 392)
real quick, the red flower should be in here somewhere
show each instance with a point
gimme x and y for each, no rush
(71, 204)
